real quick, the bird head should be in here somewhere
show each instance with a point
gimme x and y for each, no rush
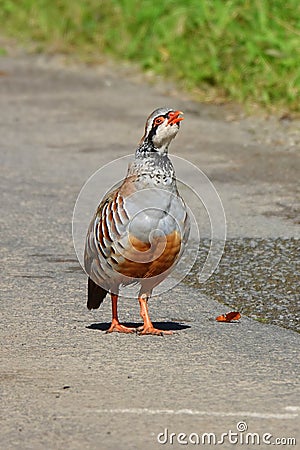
(161, 127)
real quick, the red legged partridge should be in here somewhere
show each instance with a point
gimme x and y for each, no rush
(139, 230)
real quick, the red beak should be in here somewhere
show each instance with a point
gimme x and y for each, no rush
(174, 117)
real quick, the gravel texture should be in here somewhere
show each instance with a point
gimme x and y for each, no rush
(258, 277)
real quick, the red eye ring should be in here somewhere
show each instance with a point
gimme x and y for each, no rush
(159, 120)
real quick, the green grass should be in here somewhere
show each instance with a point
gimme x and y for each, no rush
(234, 50)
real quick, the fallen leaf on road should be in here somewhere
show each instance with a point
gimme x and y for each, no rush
(229, 317)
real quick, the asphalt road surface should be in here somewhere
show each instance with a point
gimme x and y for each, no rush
(65, 384)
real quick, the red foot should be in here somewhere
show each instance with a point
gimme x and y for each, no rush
(116, 326)
(155, 331)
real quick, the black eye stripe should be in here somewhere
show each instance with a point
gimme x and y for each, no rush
(162, 116)
(152, 131)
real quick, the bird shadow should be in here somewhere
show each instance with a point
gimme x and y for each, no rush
(164, 326)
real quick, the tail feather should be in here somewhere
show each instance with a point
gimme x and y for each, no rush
(96, 295)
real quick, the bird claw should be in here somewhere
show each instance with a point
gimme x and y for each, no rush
(151, 330)
(117, 327)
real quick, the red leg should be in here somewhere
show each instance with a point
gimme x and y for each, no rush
(148, 327)
(115, 324)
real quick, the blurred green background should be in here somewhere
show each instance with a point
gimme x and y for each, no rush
(245, 51)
